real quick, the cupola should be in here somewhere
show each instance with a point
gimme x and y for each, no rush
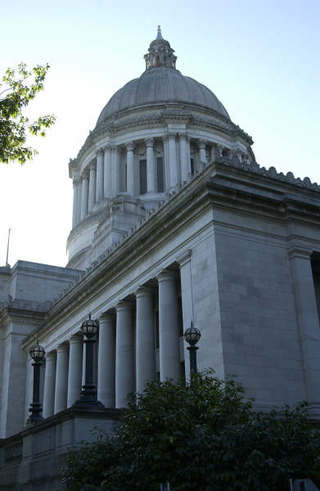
(160, 53)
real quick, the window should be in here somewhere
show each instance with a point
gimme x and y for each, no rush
(124, 178)
(160, 174)
(143, 176)
(192, 165)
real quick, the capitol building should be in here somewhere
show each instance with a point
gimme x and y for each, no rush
(174, 222)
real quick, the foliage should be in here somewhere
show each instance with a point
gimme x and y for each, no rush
(17, 89)
(202, 436)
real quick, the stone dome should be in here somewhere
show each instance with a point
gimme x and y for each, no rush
(161, 84)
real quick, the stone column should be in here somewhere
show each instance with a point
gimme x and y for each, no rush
(79, 201)
(173, 166)
(75, 369)
(187, 300)
(61, 388)
(308, 321)
(145, 342)
(189, 155)
(130, 169)
(76, 191)
(184, 157)
(84, 195)
(166, 162)
(169, 354)
(125, 380)
(107, 173)
(49, 385)
(116, 171)
(100, 182)
(202, 148)
(150, 166)
(106, 360)
(92, 188)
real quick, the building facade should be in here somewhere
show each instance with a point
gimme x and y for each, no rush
(173, 222)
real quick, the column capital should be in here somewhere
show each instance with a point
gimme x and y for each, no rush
(219, 148)
(124, 305)
(75, 338)
(92, 167)
(100, 151)
(202, 143)
(107, 316)
(149, 142)
(107, 147)
(130, 147)
(51, 355)
(184, 258)
(297, 251)
(144, 291)
(62, 347)
(166, 275)
(85, 174)
(183, 134)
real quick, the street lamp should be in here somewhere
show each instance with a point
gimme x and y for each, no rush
(88, 395)
(192, 336)
(37, 354)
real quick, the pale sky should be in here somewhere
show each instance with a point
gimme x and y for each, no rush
(260, 58)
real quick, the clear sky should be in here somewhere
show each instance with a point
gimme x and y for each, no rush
(260, 58)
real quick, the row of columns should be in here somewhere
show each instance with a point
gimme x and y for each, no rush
(125, 364)
(103, 178)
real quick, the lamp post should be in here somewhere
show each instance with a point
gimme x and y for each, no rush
(37, 354)
(88, 395)
(192, 336)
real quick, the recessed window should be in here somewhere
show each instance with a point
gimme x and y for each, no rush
(160, 174)
(143, 176)
(192, 165)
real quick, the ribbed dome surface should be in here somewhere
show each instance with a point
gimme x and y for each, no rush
(161, 85)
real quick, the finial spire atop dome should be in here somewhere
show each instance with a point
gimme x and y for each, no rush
(160, 53)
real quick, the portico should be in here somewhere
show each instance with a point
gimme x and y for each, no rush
(127, 348)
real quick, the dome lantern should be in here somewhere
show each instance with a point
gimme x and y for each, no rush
(160, 53)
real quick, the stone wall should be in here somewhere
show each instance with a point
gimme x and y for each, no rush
(32, 459)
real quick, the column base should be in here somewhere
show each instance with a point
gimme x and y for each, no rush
(88, 404)
(35, 417)
(88, 398)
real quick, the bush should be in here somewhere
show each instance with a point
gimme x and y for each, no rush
(202, 436)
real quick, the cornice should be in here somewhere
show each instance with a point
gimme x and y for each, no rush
(24, 309)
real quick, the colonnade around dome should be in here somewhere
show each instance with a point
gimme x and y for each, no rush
(140, 168)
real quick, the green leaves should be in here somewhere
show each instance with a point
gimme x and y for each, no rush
(17, 89)
(202, 436)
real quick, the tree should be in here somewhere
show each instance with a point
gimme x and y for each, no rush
(17, 89)
(202, 436)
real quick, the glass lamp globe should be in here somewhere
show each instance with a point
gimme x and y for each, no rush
(37, 353)
(90, 327)
(192, 335)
